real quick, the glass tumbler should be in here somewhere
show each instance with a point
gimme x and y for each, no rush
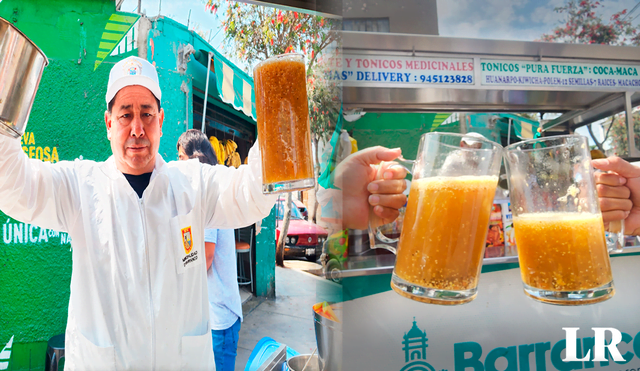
(558, 225)
(283, 124)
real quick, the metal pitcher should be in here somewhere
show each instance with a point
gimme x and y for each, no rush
(297, 363)
(21, 66)
(329, 340)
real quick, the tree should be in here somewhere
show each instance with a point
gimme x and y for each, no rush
(324, 108)
(255, 33)
(618, 137)
(583, 25)
(599, 144)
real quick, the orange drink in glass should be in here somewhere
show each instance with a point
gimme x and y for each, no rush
(557, 221)
(283, 124)
(442, 241)
(451, 215)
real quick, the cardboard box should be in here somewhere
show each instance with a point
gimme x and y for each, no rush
(509, 233)
(495, 236)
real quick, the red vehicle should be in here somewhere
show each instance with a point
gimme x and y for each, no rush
(302, 208)
(304, 239)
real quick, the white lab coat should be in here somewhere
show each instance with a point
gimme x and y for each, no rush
(138, 294)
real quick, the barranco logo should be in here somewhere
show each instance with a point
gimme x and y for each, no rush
(530, 357)
(414, 345)
(571, 353)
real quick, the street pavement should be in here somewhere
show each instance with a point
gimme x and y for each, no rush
(288, 319)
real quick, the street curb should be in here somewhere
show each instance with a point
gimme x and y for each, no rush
(251, 304)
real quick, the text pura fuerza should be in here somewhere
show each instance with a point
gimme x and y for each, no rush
(558, 69)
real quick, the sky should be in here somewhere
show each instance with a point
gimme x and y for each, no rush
(488, 19)
(185, 11)
(182, 11)
(511, 19)
(523, 20)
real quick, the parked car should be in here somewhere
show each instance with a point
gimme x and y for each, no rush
(304, 239)
(302, 209)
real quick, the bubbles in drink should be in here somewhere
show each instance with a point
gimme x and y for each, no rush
(562, 251)
(282, 113)
(444, 231)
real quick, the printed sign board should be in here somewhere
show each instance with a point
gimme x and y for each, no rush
(421, 71)
(415, 72)
(501, 330)
(561, 75)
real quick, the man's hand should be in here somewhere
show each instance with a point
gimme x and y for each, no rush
(355, 176)
(619, 192)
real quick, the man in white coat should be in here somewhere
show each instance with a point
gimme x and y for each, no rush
(139, 287)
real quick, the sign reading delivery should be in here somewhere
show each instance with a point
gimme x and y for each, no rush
(374, 70)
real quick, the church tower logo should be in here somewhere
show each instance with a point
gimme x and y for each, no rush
(414, 345)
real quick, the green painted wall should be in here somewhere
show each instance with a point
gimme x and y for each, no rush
(66, 122)
(174, 102)
(404, 129)
(391, 130)
(166, 38)
(265, 258)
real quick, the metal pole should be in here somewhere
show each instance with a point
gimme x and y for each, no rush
(509, 133)
(463, 123)
(185, 90)
(206, 92)
(631, 140)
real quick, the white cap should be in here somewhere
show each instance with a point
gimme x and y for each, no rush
(469, 138)
(133, 71)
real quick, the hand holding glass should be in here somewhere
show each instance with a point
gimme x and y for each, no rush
(441, 245)
(558, 226)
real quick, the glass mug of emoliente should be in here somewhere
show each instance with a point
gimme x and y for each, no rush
(557, 221)
(441, 245)
(283, 124)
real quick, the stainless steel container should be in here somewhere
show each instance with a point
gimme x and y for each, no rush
(297, 363)
(329, 340)
(21, 66)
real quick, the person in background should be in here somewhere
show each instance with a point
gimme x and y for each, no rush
(469, 142)
(193, 144)
(225, 306)
(460, 162)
